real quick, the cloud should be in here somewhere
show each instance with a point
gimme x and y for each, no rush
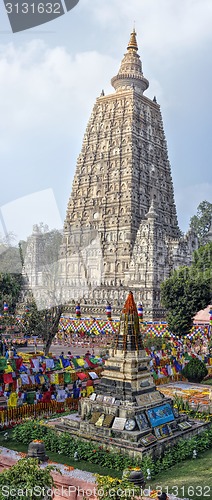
(42, 87)
(22, 214)
(163, 24)
(47, 95)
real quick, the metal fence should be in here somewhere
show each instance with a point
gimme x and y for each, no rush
(13, 416)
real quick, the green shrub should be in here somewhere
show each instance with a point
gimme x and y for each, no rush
(116, 488)
(25, 477)
(195, 370)
(116, 460)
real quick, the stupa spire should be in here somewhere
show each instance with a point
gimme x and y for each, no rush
(129, 336)
(129, 306)
(132, 45)
(130, 73)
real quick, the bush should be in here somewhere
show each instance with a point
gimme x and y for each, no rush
(95, 453)
(116, 488)
(25, 477)
(68, 445)
(195, 370)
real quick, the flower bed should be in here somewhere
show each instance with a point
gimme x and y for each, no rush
(195, 395)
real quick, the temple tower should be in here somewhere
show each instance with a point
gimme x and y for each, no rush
(122, 194)
(33, 260)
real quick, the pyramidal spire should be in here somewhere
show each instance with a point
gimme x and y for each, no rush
(129, 337)
(130, 74)
(129, 306)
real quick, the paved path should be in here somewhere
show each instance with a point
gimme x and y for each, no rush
(57, 349)
(77, 473)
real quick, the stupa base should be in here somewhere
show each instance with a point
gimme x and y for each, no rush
(137, 443)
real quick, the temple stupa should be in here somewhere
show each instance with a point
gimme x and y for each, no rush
(127, 411)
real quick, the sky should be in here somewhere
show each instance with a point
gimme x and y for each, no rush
(50, 77)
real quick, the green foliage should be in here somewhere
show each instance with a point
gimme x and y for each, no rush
(186, 479)
(105, 457)
(68, 445)
(195, 370)
(29, 430)
(202, 262)
(10, 287)
(23, 478)
(116, 488)
(201, 222)
(187, 291)
(10, 260)
(194, 412)
(150, 341)
(182, 450)
(181, 404)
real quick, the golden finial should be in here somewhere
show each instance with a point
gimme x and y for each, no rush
(133, 41)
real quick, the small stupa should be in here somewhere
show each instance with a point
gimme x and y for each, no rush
(126, 376)
(127, 410)
(126, 391)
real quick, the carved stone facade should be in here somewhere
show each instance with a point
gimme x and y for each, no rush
(34, 281)
(123, 190)
(121, 228)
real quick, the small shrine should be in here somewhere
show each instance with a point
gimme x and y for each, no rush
(127, 410)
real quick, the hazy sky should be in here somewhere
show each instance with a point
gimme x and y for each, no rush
(49, 80)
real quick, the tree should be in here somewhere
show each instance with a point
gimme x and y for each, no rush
(187, 291)
(150, 341)
(42, 323)
(10, 287)
(11, 280)
(202, 261)
(201, 222)
(10, 258)
(45, 299)
(26, 479)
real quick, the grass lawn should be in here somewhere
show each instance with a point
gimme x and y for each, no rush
(207, 382)
(60, 458)
(196, 473)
